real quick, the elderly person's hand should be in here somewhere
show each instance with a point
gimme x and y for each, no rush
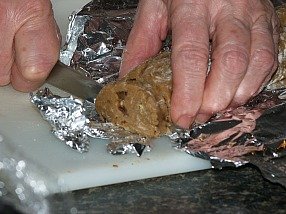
(243, 37)
(29, 43)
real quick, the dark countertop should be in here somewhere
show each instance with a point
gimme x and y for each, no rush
(230, 190)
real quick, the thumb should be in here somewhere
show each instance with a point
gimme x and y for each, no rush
(145, 39)
(36, 45)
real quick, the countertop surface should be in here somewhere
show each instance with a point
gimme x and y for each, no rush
(229, 190)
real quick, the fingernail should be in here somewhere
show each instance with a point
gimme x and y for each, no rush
(202, 118)
(185, 121)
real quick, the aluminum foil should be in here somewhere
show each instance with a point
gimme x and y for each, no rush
(75, 121)
(66, 115)
(254, 133)
(97, 36)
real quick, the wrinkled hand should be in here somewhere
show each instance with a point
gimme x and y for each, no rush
(29, 43)
(243, 37)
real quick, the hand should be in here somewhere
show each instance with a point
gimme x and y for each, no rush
(243, 37)
(29, 43)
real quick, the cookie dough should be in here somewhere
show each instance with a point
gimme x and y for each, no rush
(140, 102)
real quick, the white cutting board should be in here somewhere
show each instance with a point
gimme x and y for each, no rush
(24, 130)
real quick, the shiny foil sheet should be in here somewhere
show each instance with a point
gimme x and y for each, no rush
(97, 36)
(66, 117)
(254, 133)
(231, 138)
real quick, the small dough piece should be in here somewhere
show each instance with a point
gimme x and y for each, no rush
(140, 101)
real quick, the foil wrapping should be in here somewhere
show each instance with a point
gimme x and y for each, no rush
(254, 133)
(123, 142)
(97, 36)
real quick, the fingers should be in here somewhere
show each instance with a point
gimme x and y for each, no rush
(262, 60)
(145, 39)
(6, 47)
(36, 48)
(230, 58)
(190, 50)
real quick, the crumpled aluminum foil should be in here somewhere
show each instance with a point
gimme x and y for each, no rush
(123, 142)
(75, 121)
(97, 36)
(66, 117)
(254, 133)
(97, 50)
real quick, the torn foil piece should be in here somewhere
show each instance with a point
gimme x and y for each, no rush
(234, 137)
(76, 28)
(66, 116)
(74, 122)
(229, 135)
(122, 141)
(120, 148)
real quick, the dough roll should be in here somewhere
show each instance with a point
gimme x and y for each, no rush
(140, 102)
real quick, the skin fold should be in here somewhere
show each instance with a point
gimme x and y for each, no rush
(243, 35)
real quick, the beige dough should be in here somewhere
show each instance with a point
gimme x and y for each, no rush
(140, 102)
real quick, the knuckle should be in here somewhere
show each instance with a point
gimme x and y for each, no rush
(39, 7)
(32, 10)
(264, 60)
(18, 13)
(192, 58)
(235, 63)
(177, 13)
(181, 12)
